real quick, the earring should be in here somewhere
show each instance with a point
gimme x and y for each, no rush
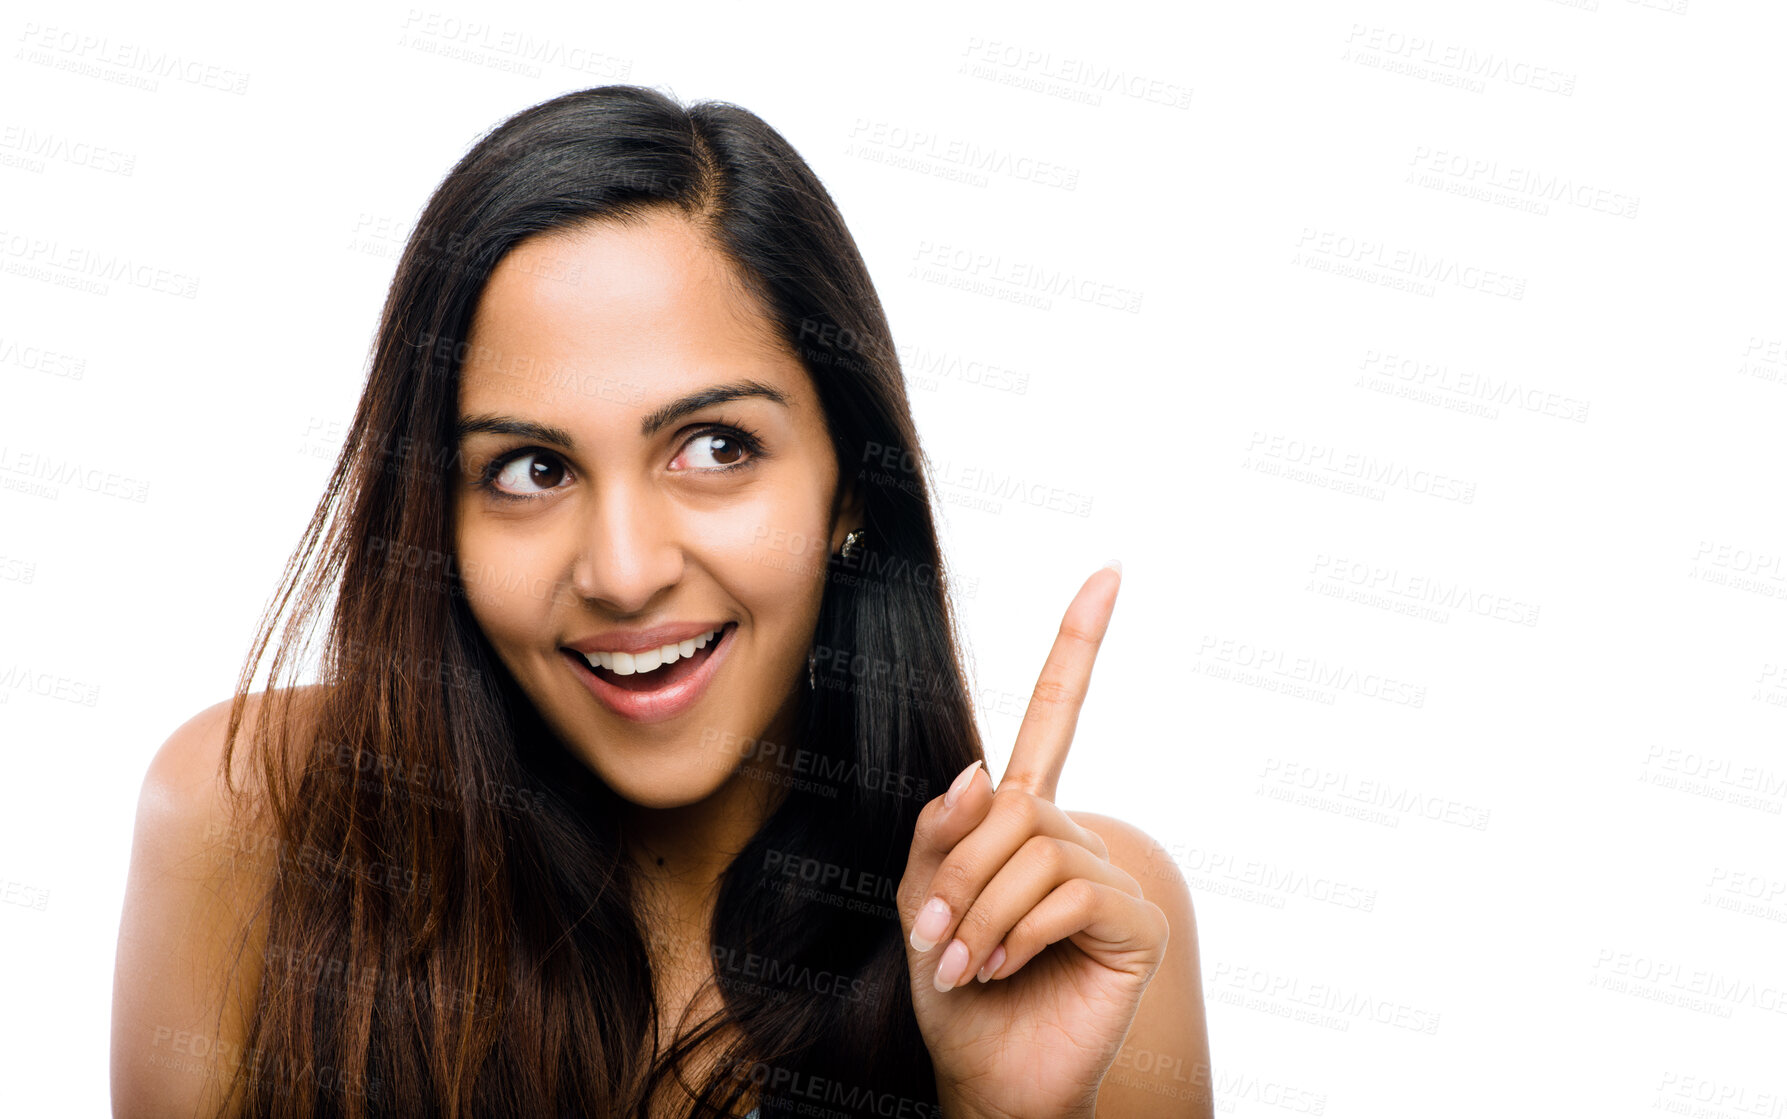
(853, 544)
(811, 686)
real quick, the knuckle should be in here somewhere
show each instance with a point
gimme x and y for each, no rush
(1054, 692)
(1015, 779)
(1127, 883)
(1021, 934)
(1073, 631)
(1096, 844)
(976, 926)
(1017, 808)
(1081, 894)
(1155, 926)
(951, 882)
(926, 826)
(1045, 853)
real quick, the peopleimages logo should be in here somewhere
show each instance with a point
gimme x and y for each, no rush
(1375, 257)
(1376, 584)
(1383, 43)
(1462, 389)
(1071, 77)
(34, 469)
(1265, 661)
(1401, 801)
(123, 62)
(993, 274)
(1329, 461)
(52, 260)
(921, 149)
(1282, 993)
(1209, 869)
(1517, 181)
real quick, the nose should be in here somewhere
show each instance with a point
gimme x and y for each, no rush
(629, 550)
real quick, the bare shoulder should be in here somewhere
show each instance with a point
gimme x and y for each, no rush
(1164, 1065)
(1138, 853)
(181, 993)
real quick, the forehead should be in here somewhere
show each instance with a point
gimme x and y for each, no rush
(616, 316)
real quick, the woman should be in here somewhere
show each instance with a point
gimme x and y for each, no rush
(642, 779)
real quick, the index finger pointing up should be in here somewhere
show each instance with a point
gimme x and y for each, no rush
(1049, 720)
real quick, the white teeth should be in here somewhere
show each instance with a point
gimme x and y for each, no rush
(625, 664)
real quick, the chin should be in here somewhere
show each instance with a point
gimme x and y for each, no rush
(671, 777)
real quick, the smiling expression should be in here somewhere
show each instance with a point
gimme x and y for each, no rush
(640, 452)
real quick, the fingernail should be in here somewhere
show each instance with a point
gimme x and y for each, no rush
(987, 969)
(951, 966)
(959, 785)
(932, 920)
(1114, 565)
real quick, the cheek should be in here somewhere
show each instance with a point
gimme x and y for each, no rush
(505, 580)
(780, 541)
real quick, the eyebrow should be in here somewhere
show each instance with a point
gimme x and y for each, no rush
(653, 423)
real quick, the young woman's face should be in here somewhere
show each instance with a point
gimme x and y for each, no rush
(686, 485)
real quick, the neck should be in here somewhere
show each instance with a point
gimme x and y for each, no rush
(680, 853)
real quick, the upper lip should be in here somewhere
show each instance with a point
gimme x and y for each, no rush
(641, 640)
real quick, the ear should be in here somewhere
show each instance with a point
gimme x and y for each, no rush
(848, 515)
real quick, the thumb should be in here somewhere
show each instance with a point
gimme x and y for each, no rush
(943, 823)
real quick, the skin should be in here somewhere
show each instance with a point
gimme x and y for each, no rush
(181, 998)
(620, 536)
(622, 528)
(1050, 961)
(625, 528)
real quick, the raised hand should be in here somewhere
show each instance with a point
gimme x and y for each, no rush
(1004, 888)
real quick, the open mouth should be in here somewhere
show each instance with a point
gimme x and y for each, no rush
(663, 676)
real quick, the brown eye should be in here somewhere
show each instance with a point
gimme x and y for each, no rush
(716, 450)
(725, 451)
(519, 475)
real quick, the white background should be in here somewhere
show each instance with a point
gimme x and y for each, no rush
(1310, 693)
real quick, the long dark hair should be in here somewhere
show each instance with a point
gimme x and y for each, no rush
(452, 928)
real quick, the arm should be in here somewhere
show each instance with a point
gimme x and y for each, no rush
(1164, 1065)
(191, 884)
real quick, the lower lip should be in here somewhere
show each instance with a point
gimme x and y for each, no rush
(662, 703)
